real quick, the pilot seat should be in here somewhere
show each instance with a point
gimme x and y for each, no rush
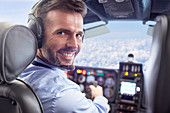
(157, 77)
(18, 48)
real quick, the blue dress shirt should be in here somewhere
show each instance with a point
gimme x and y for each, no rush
(58, 94)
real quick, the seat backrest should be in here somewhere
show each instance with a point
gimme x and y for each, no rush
(157, 77)
(18, 48)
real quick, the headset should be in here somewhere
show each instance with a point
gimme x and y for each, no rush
(36, 23)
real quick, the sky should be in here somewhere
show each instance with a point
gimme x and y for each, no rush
(108, 49)
(15, 11)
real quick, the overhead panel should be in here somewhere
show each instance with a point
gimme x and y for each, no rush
(119, 8)
(108, 10)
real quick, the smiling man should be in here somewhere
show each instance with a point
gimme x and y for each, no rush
(63, 38)
(61, 23)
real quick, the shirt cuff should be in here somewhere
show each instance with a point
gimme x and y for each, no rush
(102, 101)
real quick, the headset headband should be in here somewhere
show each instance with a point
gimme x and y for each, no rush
(38, 4)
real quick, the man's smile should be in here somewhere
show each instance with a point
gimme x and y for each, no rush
(66, 55)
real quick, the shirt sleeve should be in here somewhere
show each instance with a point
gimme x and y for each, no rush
(73, 101)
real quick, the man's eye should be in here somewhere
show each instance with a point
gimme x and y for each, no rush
(79, 36)
(61, 33)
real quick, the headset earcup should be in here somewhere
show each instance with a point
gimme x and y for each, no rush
(36, 26)
(40, 31)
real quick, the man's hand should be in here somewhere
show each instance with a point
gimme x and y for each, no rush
(96, 91)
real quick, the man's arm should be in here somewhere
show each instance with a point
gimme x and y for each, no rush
(73, 101)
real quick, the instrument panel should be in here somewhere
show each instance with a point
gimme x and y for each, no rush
(85, 76)
(129, 95)
(122, 87)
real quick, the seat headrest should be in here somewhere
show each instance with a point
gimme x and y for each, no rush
(157, 77)
(18, 47)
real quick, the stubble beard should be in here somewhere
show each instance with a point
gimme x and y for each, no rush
(54, 60)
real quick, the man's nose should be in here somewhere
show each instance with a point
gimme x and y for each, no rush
(72, 42)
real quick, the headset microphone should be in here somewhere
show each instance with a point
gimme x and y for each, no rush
(67, 67)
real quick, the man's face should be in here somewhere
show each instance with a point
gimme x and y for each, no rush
(62, 37)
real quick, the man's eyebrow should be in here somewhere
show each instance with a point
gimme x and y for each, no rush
(66, 30)
(62, 29)
(81, 32)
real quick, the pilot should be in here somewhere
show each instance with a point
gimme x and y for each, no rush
(61, 22)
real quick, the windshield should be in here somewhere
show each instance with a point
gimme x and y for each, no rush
(107, 50)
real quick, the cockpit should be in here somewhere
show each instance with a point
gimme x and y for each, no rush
(125, 50)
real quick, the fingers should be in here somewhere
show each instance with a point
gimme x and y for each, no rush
(96, 91)
(91, 86)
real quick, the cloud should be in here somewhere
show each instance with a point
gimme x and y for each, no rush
(107, 52)
(5, 18)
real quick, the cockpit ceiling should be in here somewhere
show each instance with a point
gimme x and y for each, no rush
(106, 10)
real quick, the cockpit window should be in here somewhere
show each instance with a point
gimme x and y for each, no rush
(107, 50)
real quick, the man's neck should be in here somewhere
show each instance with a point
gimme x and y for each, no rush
(40, 56)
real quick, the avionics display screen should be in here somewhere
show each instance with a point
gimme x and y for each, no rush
(128, 88)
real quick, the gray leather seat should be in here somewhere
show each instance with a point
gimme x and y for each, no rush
(18, 48)
(157, 78)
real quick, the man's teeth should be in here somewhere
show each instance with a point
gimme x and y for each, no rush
(66, 54)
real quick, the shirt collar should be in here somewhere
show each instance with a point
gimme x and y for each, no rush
(51, 66)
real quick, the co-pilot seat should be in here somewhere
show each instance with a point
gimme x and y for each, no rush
(157, 78)
(18, 48)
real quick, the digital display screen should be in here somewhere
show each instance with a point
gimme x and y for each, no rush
(128, 88)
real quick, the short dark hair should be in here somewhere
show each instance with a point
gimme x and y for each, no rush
(77, 6)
